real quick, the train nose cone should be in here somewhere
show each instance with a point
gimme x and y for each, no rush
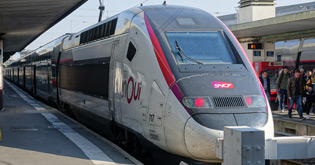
(201, 141)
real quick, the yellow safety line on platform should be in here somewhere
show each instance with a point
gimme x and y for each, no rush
(0, 136)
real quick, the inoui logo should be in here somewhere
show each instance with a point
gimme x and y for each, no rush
(219, 84)
(135, 91)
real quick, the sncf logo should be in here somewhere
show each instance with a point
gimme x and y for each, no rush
(218, 85)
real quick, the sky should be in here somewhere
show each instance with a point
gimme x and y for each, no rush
(87, 14)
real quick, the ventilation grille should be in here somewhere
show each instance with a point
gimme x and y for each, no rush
(228, 102)
(101, 31)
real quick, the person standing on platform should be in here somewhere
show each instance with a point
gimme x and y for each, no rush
(309, 92)
(303, 76)
(282, 83)
(265, 81)
(308, 75)
(295, 92)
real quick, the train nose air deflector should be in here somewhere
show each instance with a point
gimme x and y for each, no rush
(219, 121)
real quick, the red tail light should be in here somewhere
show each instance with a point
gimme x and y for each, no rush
(249, 101)
(199, 102)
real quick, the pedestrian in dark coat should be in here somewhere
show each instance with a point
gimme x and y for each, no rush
(265, 82)
(295, 92)
(282, 83)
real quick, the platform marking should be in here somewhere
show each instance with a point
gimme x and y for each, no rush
(0, 136)
(97, 156)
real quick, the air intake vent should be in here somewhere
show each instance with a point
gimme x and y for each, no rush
(228, 102)
(101, 31)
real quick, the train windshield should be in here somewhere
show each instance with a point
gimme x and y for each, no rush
(200, 48)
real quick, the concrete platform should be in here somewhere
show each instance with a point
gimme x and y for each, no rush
(33, 133)
(294, 125)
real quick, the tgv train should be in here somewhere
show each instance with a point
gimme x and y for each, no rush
(165, 76)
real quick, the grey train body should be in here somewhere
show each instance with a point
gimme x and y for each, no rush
(171, 76)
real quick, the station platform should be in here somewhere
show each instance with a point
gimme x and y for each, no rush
(293, 126)
(32, 133)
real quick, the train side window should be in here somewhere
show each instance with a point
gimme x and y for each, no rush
(131, 51)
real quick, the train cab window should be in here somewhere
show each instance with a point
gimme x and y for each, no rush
(201, 47)
(131, 51)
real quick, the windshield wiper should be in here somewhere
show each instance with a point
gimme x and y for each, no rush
(180, 50)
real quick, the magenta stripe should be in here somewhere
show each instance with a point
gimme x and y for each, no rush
(166, 71)
(179, 96)
(66, 60)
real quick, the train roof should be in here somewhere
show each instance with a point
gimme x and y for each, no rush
(181, 17)
(137, 10)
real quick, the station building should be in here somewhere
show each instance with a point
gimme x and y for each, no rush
(278, 35)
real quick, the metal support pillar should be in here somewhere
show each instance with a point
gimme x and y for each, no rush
(102, 8)
(1, 75)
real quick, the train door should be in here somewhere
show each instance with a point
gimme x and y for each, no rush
(115, 81)
(156, 106)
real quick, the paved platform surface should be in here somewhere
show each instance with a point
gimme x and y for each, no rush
(33, 133)
(286, 126)
(295, 116)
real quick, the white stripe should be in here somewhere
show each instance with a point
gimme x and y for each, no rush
(90, 150)
(97, 156)
(40, 108)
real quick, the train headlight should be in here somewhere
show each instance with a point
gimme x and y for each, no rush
(196, 102)
(255, 101)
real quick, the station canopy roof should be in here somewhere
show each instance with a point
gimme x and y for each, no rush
(287, 27)
(22, 21)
